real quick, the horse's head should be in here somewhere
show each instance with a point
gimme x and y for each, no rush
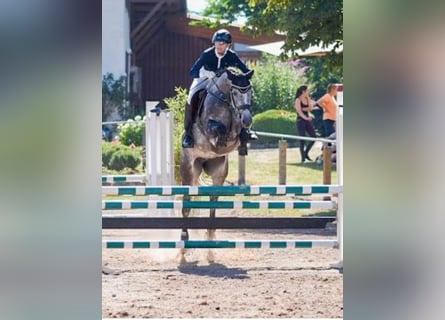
(226, 108)
(241, 95)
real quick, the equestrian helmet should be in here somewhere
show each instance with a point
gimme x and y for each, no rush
(222, 35)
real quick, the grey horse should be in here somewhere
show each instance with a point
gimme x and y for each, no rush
(224, 111)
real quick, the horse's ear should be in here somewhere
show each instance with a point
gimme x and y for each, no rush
(230, 75)
(249, 74)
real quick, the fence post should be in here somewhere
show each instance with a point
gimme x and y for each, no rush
(327, 152)
(159, 148)
(339, 162)
(282, 162)
(241, 170)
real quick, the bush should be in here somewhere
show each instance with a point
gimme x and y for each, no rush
(177, 105)
(118, 156)
(108, 149)
(275, 84)
(124, 158)
(274, 121)
(131, 132)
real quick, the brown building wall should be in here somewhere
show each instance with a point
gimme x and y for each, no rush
(166, 63)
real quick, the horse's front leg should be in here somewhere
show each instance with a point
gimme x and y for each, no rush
(218, 169)
(185, 214)
(211, 232)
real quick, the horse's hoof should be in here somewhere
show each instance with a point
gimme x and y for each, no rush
(210, 257)
(184, 236)
(182, 261)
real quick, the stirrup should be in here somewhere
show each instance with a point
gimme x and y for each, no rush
(252, 136)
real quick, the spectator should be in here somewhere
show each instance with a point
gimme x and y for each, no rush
(303, 105)
(329, 106)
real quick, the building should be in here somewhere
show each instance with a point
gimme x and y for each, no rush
(153, 43)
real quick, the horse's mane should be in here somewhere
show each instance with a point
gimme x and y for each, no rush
(238, 77)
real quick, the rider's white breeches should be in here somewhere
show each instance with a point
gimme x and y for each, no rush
(194, 83)
(203, 73)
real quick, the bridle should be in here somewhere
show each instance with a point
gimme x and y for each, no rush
(227, 100)
(230, 101)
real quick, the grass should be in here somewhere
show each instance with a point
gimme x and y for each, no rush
(262, 169)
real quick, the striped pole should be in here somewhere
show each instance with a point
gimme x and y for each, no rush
(123, 178)
(155, 204)
(217, 244)
(222, 190)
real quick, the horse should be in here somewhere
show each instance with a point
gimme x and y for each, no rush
(223, 112)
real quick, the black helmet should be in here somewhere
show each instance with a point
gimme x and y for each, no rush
(222, 35)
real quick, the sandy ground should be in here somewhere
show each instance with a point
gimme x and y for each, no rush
(241, 283)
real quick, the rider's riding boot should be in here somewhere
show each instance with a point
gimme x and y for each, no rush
(187, 139)
(308, 148)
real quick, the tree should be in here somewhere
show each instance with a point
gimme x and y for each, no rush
(318, 74)
(305, 22)
(113, 97)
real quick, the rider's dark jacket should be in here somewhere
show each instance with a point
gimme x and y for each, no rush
(211, 62)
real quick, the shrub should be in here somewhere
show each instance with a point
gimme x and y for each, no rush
(131, 131)
(108, 149)
(177, 105)
(275, 84)
(118, 156)
(124, 158)
(274, 121)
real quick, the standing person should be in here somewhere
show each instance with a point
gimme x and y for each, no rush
(217, 57)
(303, 104)
(329, 106)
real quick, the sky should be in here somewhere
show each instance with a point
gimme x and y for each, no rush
(196, 5)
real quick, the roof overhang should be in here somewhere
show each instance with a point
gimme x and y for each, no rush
(182, 25)
(275, 48)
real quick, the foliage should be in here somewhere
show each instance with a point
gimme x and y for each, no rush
(274, 121)
(305, 22)
(177, 105)
(113, 95)
(318, 74)
(108, 149)
(124, 158)
(275, 84)
(131, 131)
(119, 156)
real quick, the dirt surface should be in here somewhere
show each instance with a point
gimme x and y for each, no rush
(240, 283)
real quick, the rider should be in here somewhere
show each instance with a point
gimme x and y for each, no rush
(212, 59)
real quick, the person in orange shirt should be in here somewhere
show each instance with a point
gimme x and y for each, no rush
(329, 106)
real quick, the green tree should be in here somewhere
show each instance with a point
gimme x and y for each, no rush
(113, 96)
(320, 75)
(305, 22)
